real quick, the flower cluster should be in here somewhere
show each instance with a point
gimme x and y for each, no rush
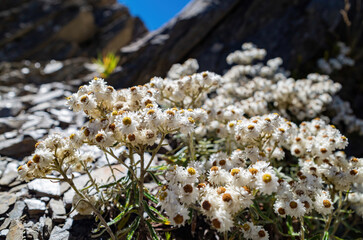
(225, 185)
(186, 92)
(257, 158)
(336, 63)
(189, 67)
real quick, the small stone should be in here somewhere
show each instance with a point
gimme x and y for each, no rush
(64, 187)
(18, 188)
(63, 115)
(68, 197)
(17, 147)
(6, 200)
(10, 174)
(15, 231)
(3, 164)
(31, 234)
(35, 206)
(4, 232)
(58, 210)
(5, 224)
(59, 234)
(53, 66)
(68, 224)
(45, 187)
(45, 97)
(17, 211)
(48, 226)
(45, 199)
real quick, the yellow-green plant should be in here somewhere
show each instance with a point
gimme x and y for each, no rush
(107, 63)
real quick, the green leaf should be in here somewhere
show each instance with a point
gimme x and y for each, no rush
(158, 213)
(150, 213)
(326, 236)
(119, 217)
(133, 227)
(260, 213)
(167, 235)
(152, 231)
(155, 178)
(151, 197)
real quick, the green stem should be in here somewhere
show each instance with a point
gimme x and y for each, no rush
(85, 198)
(340, 204)
(156, 150)
(191, 147)
(141, 189)
(302, 228)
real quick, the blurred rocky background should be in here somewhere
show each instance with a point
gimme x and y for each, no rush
(47, 49)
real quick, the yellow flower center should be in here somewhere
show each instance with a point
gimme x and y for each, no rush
(126, 121)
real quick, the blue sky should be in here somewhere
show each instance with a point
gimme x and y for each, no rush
(154, 13)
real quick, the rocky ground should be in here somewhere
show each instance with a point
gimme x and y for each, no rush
(28, 112)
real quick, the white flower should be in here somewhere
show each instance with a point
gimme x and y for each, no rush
(323, 203)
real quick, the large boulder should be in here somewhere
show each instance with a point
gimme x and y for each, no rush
(43, 30)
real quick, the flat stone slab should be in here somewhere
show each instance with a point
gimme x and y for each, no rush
(35, 206)
(6, 200)
(45, 187)
(59, 234)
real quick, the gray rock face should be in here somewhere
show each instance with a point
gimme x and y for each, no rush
(209, 30)
(51, 29)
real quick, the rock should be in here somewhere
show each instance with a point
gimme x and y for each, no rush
(63, 115)
(4, 232)
(10, 123)
(58, 210)
(10, 107)
(68, 224)
(51, 30)
(3, 164)
(35, 206)
(44, 187)
(101, 175)
(45, 199)
(48, 226)
(17, 147)
(17, 211)
(64, 187)
(52, 66)
(10, 173)
(5, 224)
(68, 197)
(59, 234)
(6, 200)
(15, 231)
(41, 98)
(31, 234)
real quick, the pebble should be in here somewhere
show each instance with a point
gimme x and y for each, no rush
(6, 200)
(58, 210)
(10, 173)
(35, 206)
(16, 231)
(4, 232)
(59, 234)
(17, 211)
